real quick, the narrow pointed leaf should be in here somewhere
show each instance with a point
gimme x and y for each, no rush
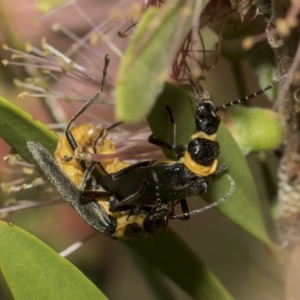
(167, 252)
(18, 127)
(34, 271)
(145, 65)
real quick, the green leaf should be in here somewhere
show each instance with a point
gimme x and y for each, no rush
(159, 287)
(146, 62)
(174, 258)
(243, 206)
(18, 127)
(34, 271)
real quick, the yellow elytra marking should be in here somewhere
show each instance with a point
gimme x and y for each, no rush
(85, 136)
(203, 135)
(124, 221)
(199, 170)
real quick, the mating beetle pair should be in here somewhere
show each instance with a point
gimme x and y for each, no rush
(137, 200)
(71, 177)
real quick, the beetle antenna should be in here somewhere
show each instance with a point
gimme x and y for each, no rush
(95, 97)
(195, 87)
(252, 95)
(197, 211)
(197, 95)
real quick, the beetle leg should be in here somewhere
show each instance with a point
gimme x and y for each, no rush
(185, 210)
(177, 149)
(128, 200)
